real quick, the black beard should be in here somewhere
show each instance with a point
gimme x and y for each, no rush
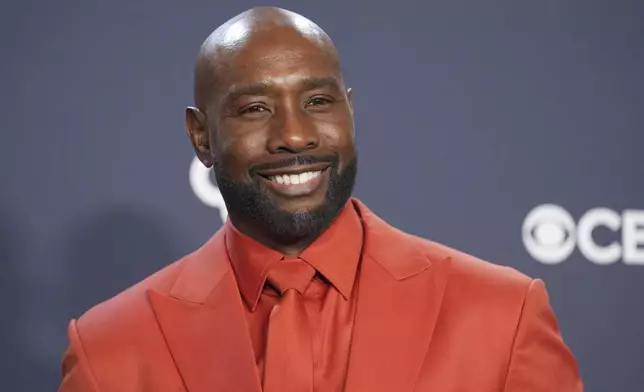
(253, 201)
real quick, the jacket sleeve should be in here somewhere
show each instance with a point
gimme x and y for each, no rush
(77, 375)
(540, 360)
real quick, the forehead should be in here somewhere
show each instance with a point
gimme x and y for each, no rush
(281, 57)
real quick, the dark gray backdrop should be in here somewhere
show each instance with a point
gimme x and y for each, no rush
(468, 115)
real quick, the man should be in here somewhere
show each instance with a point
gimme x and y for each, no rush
(304, 288)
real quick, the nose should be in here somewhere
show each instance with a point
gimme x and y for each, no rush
(292, 132)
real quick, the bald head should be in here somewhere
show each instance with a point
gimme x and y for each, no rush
(254, 28)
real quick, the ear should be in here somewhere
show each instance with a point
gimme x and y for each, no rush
(197, 129)
(350, 98)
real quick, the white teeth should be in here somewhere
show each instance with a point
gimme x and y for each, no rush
(301, 178)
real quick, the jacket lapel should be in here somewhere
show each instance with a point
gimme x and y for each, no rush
(203, 322)
(399, 296)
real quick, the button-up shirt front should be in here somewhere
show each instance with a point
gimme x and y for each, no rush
(330, 299)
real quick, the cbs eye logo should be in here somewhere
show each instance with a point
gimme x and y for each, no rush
(550, 235)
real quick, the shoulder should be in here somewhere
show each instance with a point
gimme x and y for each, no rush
(128, 311)
(468, 272)
(128, 304)
(477, 292)
(112, 341)
(467, 275)
(470, 276)
(129, 314)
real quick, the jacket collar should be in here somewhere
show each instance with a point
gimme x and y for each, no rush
(400, 254)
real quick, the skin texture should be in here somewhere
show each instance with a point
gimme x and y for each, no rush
(270, 98)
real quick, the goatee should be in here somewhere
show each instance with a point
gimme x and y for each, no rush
(254, 201)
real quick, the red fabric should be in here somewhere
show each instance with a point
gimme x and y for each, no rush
(288, 366)
(427, 318)
(327, 301)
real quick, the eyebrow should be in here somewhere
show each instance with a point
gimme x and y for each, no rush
(263, 88)
(237, 91)
(313, 83)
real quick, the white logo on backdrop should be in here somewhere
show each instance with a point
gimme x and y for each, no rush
(550, 235)
(205, 189)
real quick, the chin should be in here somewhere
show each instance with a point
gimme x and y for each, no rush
(301, 205)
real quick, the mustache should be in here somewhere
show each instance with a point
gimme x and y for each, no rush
(296, 160)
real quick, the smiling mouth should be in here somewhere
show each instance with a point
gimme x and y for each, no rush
(296, 180)
(298, 174)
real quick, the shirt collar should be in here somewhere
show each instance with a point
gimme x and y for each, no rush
(335, 255)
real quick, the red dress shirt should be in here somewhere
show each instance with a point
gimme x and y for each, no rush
(330, 300)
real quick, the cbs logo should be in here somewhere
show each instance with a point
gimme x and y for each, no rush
(550, 235)
(205, 189)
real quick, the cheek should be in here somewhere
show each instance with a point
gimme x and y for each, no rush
(340, 137)
(237, 153)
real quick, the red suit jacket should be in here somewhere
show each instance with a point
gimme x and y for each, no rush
(429, 318)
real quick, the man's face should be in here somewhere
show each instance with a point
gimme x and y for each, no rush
(281, 133)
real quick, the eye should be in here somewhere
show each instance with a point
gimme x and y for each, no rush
(318, 102)
(254, 109)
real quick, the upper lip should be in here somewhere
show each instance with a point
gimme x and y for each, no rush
(296, 169)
